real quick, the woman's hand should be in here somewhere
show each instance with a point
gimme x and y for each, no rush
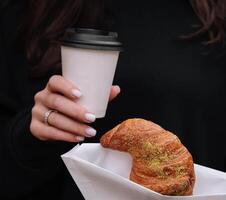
(70, 121)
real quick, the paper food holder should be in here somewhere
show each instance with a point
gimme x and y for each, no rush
(102, 174)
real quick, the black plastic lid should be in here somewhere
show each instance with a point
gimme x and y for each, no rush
(92, 39)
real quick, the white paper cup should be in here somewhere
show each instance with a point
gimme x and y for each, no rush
(89, 60)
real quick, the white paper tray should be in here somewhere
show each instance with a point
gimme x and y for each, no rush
(102, 174)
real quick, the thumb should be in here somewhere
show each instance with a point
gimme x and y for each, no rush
(115, 90)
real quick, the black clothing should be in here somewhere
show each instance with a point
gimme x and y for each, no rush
(30, 169)
(171, 82)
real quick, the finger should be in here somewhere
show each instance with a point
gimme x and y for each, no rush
(58, 84)
(40, 96)
(115, 90)
(65, 123)
(68, 107)
(45, 132)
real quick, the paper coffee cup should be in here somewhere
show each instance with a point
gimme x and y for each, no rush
(89, 59)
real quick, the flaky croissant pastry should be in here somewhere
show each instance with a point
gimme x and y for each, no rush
(160, 161)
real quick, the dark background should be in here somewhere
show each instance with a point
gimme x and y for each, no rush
(175, 83)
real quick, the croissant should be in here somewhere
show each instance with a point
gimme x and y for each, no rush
(160, 161)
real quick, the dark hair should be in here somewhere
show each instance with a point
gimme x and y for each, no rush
(48, 19)
(46, 22)
(212, 15)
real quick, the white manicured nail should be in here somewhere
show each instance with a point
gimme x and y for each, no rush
(91, 132)
(117, 88)
(76, 93)
(79, 138)
(90, 117)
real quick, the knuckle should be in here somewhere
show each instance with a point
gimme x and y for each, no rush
(38, 96)
(53, 80)
(34, 111)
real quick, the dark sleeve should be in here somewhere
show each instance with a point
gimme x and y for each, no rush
(26, 163)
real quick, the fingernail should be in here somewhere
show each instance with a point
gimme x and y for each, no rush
(90, 117)
(79, 138)
(76, 93)
(91, 132)
(117, 88)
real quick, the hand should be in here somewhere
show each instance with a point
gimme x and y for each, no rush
(70, 121)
